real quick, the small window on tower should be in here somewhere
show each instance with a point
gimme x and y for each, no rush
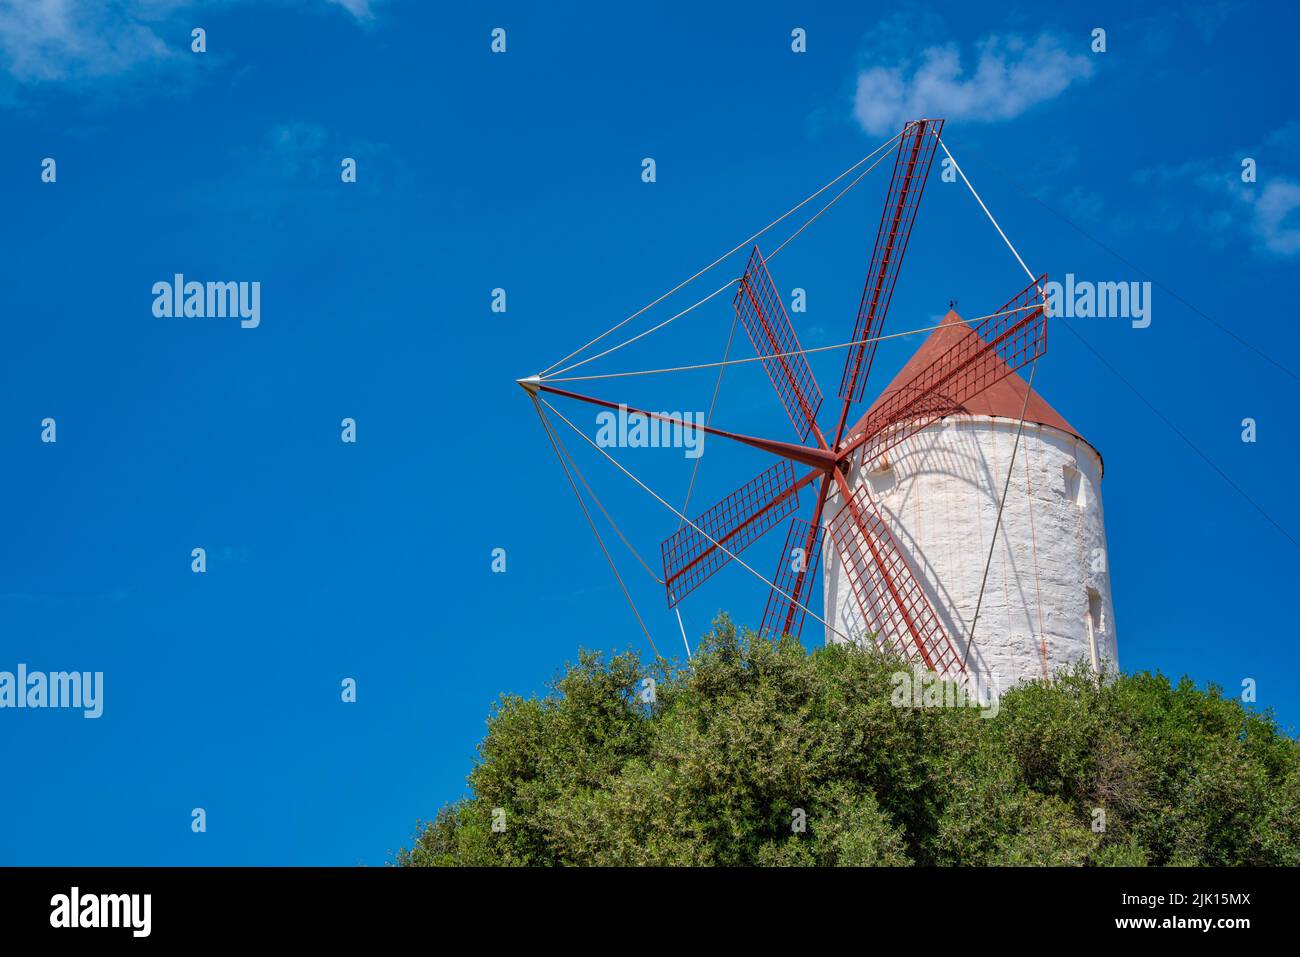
(1074, 487)
(1095, 610)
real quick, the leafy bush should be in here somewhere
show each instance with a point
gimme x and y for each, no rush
(754, 736)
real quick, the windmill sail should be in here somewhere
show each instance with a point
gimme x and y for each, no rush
(796, 572)
(763, 315)
(912, 164)
(695, 552)
(989, 352)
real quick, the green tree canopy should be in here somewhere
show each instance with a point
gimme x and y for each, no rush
(750, 737)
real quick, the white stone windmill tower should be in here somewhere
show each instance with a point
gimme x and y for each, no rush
(1046, 601)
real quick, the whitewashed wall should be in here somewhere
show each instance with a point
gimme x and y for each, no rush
(940, 496)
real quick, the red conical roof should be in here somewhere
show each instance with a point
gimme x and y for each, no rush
(1005, 398)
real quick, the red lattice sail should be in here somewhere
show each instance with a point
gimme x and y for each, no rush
(796, 573)
(692, 554)
(763, 315)
(1009, 339)
(912, 164)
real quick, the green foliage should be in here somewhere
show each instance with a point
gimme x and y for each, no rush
(754, 737)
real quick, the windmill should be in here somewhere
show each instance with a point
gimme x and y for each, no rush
(884, 585)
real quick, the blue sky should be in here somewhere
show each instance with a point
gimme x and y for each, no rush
(523, 171)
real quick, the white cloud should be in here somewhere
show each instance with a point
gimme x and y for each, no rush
(44, 41)
(1011, 75)
(297, 138)
(1207, 195)
(1274, 226)
(54, 41)
(358, 8)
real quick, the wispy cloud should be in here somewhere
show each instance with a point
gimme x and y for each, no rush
(295, 168)
(297, 140)
(1158, 33)
(1010, 74)
(1208, 195)
(1275, 209)
(45, 42)
(361, 9)
(1276, 217)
